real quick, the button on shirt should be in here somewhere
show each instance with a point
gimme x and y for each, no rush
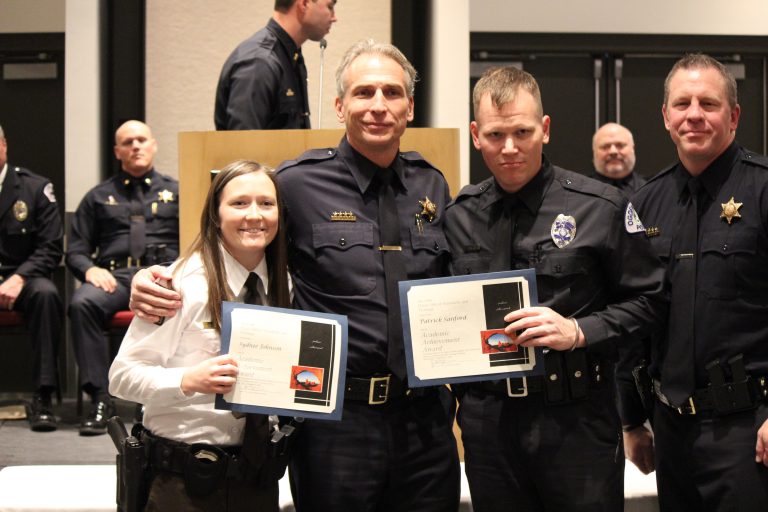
(606, 277)
(102, 221)
(731, 305)
(261, 86)
(152, 359)
(334, 258)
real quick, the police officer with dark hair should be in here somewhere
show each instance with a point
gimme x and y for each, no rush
(549, 442)
(263, 84)
(30, 249)
(707, 217)
(129, 221)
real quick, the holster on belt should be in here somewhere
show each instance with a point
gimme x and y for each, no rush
(644, 386)
(132, 489)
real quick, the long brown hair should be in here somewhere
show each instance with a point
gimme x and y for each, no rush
(207, 243)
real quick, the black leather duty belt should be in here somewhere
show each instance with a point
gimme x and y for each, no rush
(721, 400)
(375, 390)
(174, 456)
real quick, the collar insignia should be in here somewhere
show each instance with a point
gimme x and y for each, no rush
(343, 217)
(563, 230)
(165, 196)
(111, 200)
(20, 210)
(730, 210)
(290, 92)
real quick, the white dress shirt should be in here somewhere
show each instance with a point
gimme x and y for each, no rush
(152, 360)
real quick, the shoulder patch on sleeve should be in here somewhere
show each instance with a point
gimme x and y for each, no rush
(632, 221)
(48, 191)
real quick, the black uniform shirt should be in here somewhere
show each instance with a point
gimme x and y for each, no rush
(627, 185)
(263, 84)
(335, 264)
(102, 222)
(606, 277)
(731, 309)
(30, 225)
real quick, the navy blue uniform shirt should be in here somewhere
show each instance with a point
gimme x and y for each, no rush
(30, 225)
(263, 84)
(731, 308)
(102, 222)
(335, 263)
(606, 276)
(627, 185)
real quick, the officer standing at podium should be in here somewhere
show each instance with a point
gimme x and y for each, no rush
(127, 222)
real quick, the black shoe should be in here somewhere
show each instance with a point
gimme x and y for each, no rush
(95, 423)
(41, 417)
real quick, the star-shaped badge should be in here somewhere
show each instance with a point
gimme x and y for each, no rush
(165, 196)
(428, 209)
(730, 210)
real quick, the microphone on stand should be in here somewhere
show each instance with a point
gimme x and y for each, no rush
(323, 44)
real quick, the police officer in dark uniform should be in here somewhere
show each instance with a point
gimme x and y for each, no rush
(394, 449)
(613, 154)
(550, 442)
(30, 249)
(707, 217)
(263, 84)
(130, 220)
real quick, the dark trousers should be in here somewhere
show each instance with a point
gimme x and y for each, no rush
(401, 456)
(167, 494)
(708, 463)
(522, 455)
(90, 310)
(40, 304)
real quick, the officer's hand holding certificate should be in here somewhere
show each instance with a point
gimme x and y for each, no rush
(290, 362)
(453, 327)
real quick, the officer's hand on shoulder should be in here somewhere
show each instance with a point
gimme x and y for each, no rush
(150, 299)
(101, 278)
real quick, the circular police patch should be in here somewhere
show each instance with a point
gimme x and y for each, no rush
(563, 230)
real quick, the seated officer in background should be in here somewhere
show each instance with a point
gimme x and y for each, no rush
(707, 216)
(613, 153)
(550, 442)
(30, 249)
(130, 220)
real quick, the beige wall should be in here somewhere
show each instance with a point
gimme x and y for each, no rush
(710, 17)
(187, 43)
(19, 16)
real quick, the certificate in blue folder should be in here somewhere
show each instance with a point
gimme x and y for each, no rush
(453, 328)
(290, 362)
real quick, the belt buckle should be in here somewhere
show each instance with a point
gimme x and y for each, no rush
(688, 408)
(378, 400)
(522, 393)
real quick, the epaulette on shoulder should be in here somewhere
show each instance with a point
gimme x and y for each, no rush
(755, 159)
(312, 155)
(474, 190)
(661, 173)
(583, 184)
(29, 175)
(416, 158)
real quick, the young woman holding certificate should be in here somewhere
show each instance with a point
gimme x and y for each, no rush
(201, 458)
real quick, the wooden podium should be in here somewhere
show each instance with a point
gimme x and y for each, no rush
(200, 152)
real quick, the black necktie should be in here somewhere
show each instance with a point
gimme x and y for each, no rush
(137, 240)
(678, 375)
(504, 228)
(394, 270)
(252, 295)
(256, 425)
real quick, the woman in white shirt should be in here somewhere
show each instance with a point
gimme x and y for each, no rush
(175, 369)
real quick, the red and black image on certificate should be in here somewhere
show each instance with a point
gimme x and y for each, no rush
(306, 378)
